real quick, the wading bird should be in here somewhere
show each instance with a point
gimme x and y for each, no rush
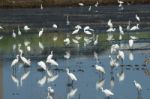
(71, 76)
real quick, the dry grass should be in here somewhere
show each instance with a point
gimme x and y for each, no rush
(36, 3)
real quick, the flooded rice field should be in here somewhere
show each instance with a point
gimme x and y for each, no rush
(75, 53)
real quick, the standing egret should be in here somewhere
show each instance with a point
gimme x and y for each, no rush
(137, 17)
(26, 28)
(50, 93)
(15, 61)
(25, 61)
(134, 27)
(131, 42)
(41, 45)
(90, 7)
(68, 22)
(41, 7)
(41, 32)
(128, 26)
(67, 55)
(96, 40)
(71, 75)
(14, 34)
(107, 92)
(88, 30)
(96, 4)
(50, 56)
(137, 85)
(52, 62)
(110, 23)
(121, 55)
(19, 32)
(120, 3)
(111, 30)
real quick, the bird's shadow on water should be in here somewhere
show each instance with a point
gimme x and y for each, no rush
(139, 95)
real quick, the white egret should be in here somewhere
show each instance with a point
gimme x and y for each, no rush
(41, 45)
(26, 28)
(110, 37)
(41, 7)
(110, 23)
(89, 9)
(1, 37)
(111, 30)
(120, 55)
(50, 56)
(15, 61)
(19, 31)
(1, 27)
(67, 41)
(68, 22)
(137, 17)
(114, 48)
(131, 42)
(96, 40)
(55, 26)
(137, 85)
(128, 26)
(52, 62)
(121, 76)
(120, 3)
(50, 93)
(81, 4)
(100, 69)
(121, 30)
(77, 29)
(41, 32)
(134, 27)
(55, 38)
(96, 4)
(131, 56)
(26, 43)
(14, 34)
(67, 55)
(25, 61)
(107, 92)
(71, 75)
(42, 65)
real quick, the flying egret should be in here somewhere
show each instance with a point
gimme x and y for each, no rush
(137, 17)
(137, 85)
(107, 92)
(41, 32)
(15, 61)
(26, 28)
(71, 75)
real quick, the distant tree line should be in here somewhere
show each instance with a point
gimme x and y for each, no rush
(48, 3)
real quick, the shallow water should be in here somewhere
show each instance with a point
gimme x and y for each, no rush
(29, 82)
